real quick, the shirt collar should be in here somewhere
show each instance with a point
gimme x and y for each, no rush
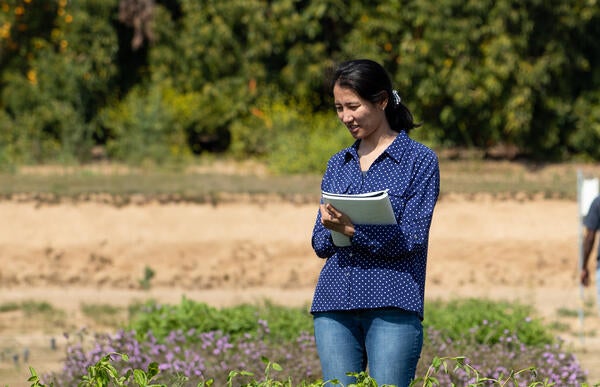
(394, 150)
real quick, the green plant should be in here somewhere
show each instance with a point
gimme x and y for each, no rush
(284, 323)
(567, 312)
(442, 365)
(212, 341)
(104, 373)
(148, 275)
(144, 127)
(9, 307)
(488, 320)
(268, 381)
(42, 310)
(523, 75)
(103, 313)
(558, 326)
(35, 379)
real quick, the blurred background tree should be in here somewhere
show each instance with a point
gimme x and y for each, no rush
(156, 81)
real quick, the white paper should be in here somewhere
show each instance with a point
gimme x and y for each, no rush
(367, 208)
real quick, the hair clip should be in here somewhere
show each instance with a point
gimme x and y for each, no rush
(397, 98)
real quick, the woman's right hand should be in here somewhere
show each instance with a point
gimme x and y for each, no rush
(335, 220)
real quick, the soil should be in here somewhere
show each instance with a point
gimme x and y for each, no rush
(89, 253)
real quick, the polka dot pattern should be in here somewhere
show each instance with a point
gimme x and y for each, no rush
(385, 265)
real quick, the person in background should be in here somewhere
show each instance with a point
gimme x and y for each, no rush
(591, 223)
(369, 299)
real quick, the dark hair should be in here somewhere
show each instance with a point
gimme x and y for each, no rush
(371, 82)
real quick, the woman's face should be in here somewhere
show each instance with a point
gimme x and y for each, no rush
(361, 117)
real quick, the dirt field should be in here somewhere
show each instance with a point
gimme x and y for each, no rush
(89, 253)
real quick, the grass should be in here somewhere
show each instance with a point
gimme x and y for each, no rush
(567, 312)
(31, 315)
(105, 315)
(473, 177)
(161, 186)
(34, 309)
(9, 307)
(220, 181)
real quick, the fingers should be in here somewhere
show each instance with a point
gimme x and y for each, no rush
(329, 213)
(585, 278)
(331, 218)
(333, 211)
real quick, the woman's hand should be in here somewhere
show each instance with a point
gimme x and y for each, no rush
(336, 220)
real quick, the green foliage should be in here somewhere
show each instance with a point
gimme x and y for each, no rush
(148, 275)
(52, 89)
(32, 308)
(35, 379)
(452, 318)
(38, 311)
(9, 307)
(587, 134)
(284, 323)
(483, 72)
(487, 320)
(442, 365)
(290, 140)
(143, 128)
(105, 314)
(478, 73)
(268, 380)
(104, 373)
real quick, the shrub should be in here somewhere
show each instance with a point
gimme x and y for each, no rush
(143, 128)
(63, 73)
(291, 137)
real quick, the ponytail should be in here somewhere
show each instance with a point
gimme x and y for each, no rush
(398, 115)
(370, 80)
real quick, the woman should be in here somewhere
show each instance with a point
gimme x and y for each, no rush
(368, 303)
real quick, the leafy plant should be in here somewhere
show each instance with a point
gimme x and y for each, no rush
(148, 275)
(475, 378)
(104, 373)
(487, 320)
(284, 324)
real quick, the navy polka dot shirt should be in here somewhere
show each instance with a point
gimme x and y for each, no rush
(385, 265)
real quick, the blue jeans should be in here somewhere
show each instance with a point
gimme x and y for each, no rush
(390, 339)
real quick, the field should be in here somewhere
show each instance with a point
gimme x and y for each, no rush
(75, 257)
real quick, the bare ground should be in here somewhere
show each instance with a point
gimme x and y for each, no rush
(71, 254)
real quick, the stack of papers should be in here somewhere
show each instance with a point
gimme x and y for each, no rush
(368, 208)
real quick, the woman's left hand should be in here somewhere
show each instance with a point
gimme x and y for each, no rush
(336, 220)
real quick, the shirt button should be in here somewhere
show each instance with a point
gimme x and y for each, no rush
(350, 254)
